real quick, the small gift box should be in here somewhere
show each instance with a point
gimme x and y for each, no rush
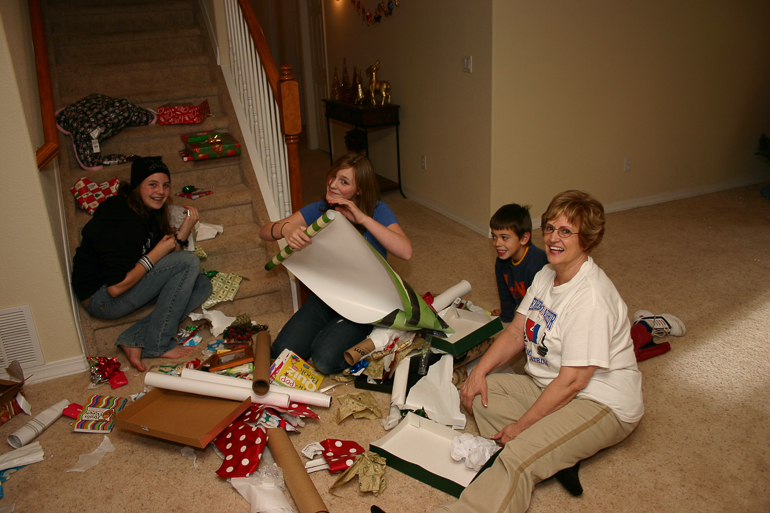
(183, 113)
(89, 194)
(211, 145)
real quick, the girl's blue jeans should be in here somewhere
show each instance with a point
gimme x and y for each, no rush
(175, 286)
(319, 333)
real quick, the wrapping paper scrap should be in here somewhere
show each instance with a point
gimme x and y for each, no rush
(297, 410)
(476, 450)
(437, 395)
(208, 231)
(301, 487)
(219, 321)
(73, 410)
(189, 453)
(264, 490)
(224, 288)
(312, 450)
(4, 475)
(31, 453)
(370, 469)
(86, 461)
(36, 426)
(340, 454)
(200, 252)
(359, 404)
(118, 380)
(242, 446)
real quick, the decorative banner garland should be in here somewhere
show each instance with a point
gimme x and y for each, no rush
(384, 8)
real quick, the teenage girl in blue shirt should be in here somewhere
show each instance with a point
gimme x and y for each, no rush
(316, 331)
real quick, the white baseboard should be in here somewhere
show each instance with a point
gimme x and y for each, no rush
(685, 193)
(477, 227)
(646, 201)
(52, 370)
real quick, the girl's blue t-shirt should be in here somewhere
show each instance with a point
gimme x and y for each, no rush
(382, 214)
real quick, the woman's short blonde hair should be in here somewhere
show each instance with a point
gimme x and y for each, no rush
(581, 210)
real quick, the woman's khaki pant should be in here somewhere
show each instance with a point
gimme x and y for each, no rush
(558, 441)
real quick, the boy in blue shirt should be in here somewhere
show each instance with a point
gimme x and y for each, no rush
(518, 260)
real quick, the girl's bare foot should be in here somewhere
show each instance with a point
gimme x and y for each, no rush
(134, 355)
(177, 352)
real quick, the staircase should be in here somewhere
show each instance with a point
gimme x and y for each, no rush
(152, 52)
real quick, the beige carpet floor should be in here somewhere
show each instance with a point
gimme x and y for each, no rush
(701, 447)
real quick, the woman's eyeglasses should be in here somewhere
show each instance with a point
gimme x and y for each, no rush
(563, 232)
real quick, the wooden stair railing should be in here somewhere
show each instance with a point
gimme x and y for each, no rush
(50, 148)
(286, 93)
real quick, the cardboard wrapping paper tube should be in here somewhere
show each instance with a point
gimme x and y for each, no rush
(295, 395)
(358, 351)
(447, 297)
(192, 386)
(261, 383)
(36, 426)
(310, 231)
(301, 487)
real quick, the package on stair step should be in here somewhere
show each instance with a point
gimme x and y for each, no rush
(183, 113)
(211, 144)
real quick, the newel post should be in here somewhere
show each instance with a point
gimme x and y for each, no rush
(292, 127)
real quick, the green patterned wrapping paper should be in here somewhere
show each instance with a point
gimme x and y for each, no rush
(311, 231)
(224, 287)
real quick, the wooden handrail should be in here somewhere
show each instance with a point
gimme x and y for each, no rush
(50, 148)
(286, 92)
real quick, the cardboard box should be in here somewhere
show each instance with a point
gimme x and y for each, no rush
(291, 371)
(471, 329)
(9, 406)
(183, 113)
(211, 144)
(189, 419)
(420, 448)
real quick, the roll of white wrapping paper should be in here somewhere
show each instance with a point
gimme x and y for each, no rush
(296, 395)
(36, 426)
(447, 297)
(192, 386)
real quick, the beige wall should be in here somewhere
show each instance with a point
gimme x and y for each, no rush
(445, 114)
(680, 87)
(33, 270)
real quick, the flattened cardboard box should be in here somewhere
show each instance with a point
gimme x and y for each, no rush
(471, 329)
(189, 419)
(420, 448)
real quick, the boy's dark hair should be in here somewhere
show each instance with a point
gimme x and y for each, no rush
(513, 217)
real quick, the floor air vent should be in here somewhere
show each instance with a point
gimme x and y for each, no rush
(18, 338)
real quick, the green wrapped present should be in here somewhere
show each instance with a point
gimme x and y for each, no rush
(211, 145)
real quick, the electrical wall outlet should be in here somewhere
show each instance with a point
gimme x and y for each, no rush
(423, 162)
(467, 63)
(627, 165)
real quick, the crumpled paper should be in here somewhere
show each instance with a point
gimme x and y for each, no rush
(264, 490)
(437, 395)
(219, 321)
(476, 450)
(360, 405)
(86, 461)
(30, 453)
(370, 469)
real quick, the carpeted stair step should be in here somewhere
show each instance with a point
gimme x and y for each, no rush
(159, 53)
(96, 17)
(153, 97)
(114, 79)
(151, 140)
(130, 46)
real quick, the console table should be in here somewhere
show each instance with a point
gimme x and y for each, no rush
(364, 117)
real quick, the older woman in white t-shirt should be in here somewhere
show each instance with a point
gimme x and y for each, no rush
(582, 391)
